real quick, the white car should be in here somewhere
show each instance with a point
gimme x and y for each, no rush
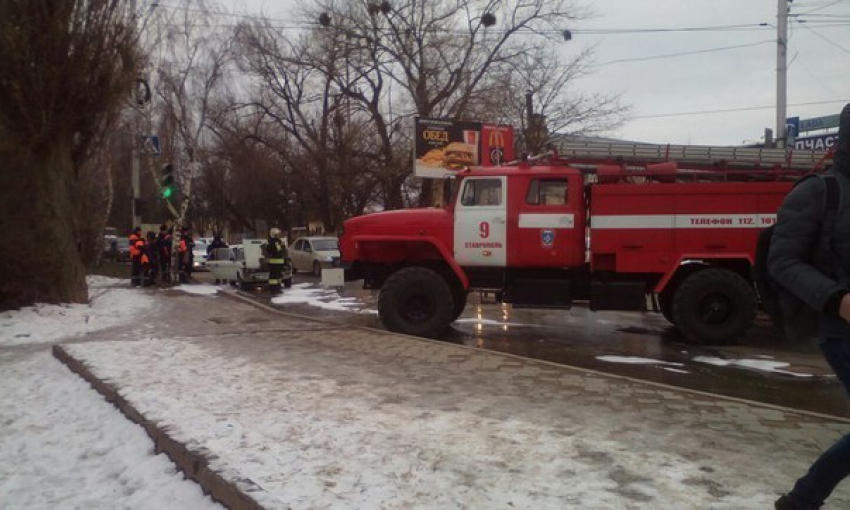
(311, 254)
(244, 265)
(199, 255)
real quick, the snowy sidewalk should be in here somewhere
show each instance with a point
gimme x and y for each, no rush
(306, 414)
(61, 445)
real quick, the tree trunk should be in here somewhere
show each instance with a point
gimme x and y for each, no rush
(426, 195)
(41, 257)
(392, 192)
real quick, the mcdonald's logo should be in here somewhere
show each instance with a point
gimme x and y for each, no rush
(496, 143)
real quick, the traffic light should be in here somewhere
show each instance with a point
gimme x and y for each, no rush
(167, 186)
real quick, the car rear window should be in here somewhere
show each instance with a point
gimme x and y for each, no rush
(325, 244)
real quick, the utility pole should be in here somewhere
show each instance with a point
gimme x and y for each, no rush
(136, 179)
(781, 72)
(529, 130)
(135, 145)
(143, 97)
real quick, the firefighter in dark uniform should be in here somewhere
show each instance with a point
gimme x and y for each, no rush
(276, 254)
(137, 246)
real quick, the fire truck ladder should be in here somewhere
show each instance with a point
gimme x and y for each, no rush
(615, 160)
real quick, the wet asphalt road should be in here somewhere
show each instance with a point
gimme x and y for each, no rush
(578, 337)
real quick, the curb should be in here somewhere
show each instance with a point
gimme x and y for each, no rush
(194, 465)
(812, 414)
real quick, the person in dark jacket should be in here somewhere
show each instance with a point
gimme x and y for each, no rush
(217, 242)
(797, 231)
(163, 242)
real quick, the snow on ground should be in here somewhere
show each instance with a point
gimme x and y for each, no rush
(112, 303)
(315, 426)
(636, 360)
(61, 444)
(200, 290)
(327, 299)
(755, 364)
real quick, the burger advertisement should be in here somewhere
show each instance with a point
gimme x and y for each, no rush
(446, 146)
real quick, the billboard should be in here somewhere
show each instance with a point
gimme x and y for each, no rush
(497, 144)
(445, 146)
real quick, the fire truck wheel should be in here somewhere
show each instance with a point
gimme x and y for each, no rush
(416, 301)
(665, 302)
(714, 306)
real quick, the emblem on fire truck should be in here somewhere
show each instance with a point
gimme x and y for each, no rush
(547, 237)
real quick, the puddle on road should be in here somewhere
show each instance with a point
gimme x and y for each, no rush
(578, 337)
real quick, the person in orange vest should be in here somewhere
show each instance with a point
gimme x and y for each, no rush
(150, 260)
(184, 259)
(137, 245)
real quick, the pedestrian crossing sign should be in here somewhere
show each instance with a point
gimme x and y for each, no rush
(150, 145)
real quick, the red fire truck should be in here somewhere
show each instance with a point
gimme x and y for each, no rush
(619, 226)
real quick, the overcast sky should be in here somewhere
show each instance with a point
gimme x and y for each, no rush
(728, 69)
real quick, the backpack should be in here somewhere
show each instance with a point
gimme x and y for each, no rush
(794, 318)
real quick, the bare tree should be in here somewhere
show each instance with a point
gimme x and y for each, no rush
(297, 93)
(539, 75)
(192, 59)
(440, 53)
(256, 174)
(65, 68)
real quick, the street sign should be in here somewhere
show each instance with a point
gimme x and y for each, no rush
(826, 122)
(792, 126)
(816, 143)
(150, 145)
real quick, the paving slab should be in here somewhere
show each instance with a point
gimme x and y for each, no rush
(307, 414)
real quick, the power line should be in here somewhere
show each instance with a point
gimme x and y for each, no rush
(287, 24)
(826, 39)
(823, 7)
(710, 28)
(684, 53)
(731, 110)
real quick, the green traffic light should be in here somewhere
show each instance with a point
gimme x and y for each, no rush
(167, 192)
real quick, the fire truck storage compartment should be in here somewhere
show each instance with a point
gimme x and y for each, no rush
(647, 228)
(539, 294)
(618, 296)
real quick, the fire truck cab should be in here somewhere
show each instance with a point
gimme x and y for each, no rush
(607, 231)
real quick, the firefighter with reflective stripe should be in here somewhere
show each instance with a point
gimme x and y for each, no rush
(137, 245)
(276, 254)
